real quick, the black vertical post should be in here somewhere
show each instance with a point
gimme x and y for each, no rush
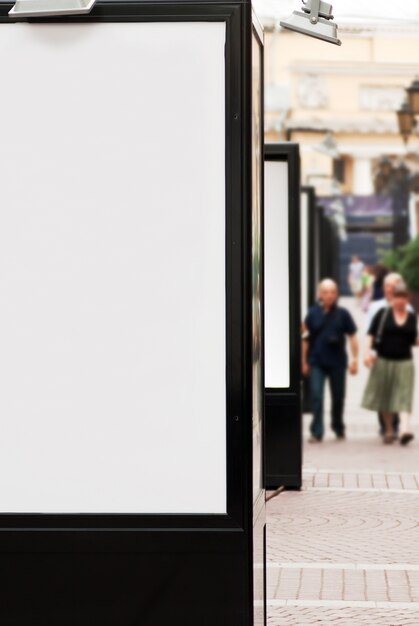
(327, 247)
(308, 272)
(283, 453)
(401, 196)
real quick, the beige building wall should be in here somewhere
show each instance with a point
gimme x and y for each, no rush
(352, 91)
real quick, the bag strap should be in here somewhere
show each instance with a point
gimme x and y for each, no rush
(382, 323)
(325, 323)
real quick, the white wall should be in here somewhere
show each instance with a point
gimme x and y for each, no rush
(112, 268)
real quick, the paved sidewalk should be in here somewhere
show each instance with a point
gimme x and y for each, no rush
(345, 550)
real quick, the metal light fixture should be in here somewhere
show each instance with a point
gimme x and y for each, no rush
(50, 8)
(406, 121)
(337, 210)
(328, 146)
(413, 96)
(315, 20)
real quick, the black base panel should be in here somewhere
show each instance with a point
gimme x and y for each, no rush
(306, 403)
(259, 563)
(123, 590)
(291, 482)
(283, 456)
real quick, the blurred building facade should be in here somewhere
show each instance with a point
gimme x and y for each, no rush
(340, 103)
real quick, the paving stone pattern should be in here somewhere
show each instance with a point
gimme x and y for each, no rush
(345, 550)
(320, 616)
(342, 584)
(343, 527)
(356, 480)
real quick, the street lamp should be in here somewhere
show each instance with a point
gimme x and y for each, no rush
(413, 96)
(406, 121)
(328, 146)
(409, 109)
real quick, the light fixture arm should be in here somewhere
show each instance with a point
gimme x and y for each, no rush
(314, 11)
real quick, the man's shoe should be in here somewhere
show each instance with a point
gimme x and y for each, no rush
(341, 436)
(314, 439)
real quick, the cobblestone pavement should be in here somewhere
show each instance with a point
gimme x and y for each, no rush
(332, 616)
(345, 550)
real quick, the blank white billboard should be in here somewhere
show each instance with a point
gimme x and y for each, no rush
(277, 322)
(112, 268)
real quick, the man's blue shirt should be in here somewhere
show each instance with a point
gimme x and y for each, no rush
(327, 333)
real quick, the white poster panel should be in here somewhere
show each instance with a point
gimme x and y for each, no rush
(304, 207)
(112, 268)
(277, 322)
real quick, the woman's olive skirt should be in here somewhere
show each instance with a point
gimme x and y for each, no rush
(390, 386)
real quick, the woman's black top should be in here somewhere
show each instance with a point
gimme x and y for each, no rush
(396, 341)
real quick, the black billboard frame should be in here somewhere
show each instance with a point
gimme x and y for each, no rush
(283, 419)
(42, 549)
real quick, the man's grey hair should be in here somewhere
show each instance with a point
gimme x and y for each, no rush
(327, 283)
(393, 277)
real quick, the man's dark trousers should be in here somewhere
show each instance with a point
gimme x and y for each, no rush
(337, 381)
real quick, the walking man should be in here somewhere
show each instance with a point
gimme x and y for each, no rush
(324, 356)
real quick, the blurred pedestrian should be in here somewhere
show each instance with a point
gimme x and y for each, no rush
(367, 287)
(356, 267)
(380, 272)
(391, 281)
(388, 352)
(324, 357)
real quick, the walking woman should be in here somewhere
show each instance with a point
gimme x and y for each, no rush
(388, 352)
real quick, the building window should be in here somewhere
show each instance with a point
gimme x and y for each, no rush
(381, 97)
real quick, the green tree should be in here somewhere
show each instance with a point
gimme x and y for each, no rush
(405, 260)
